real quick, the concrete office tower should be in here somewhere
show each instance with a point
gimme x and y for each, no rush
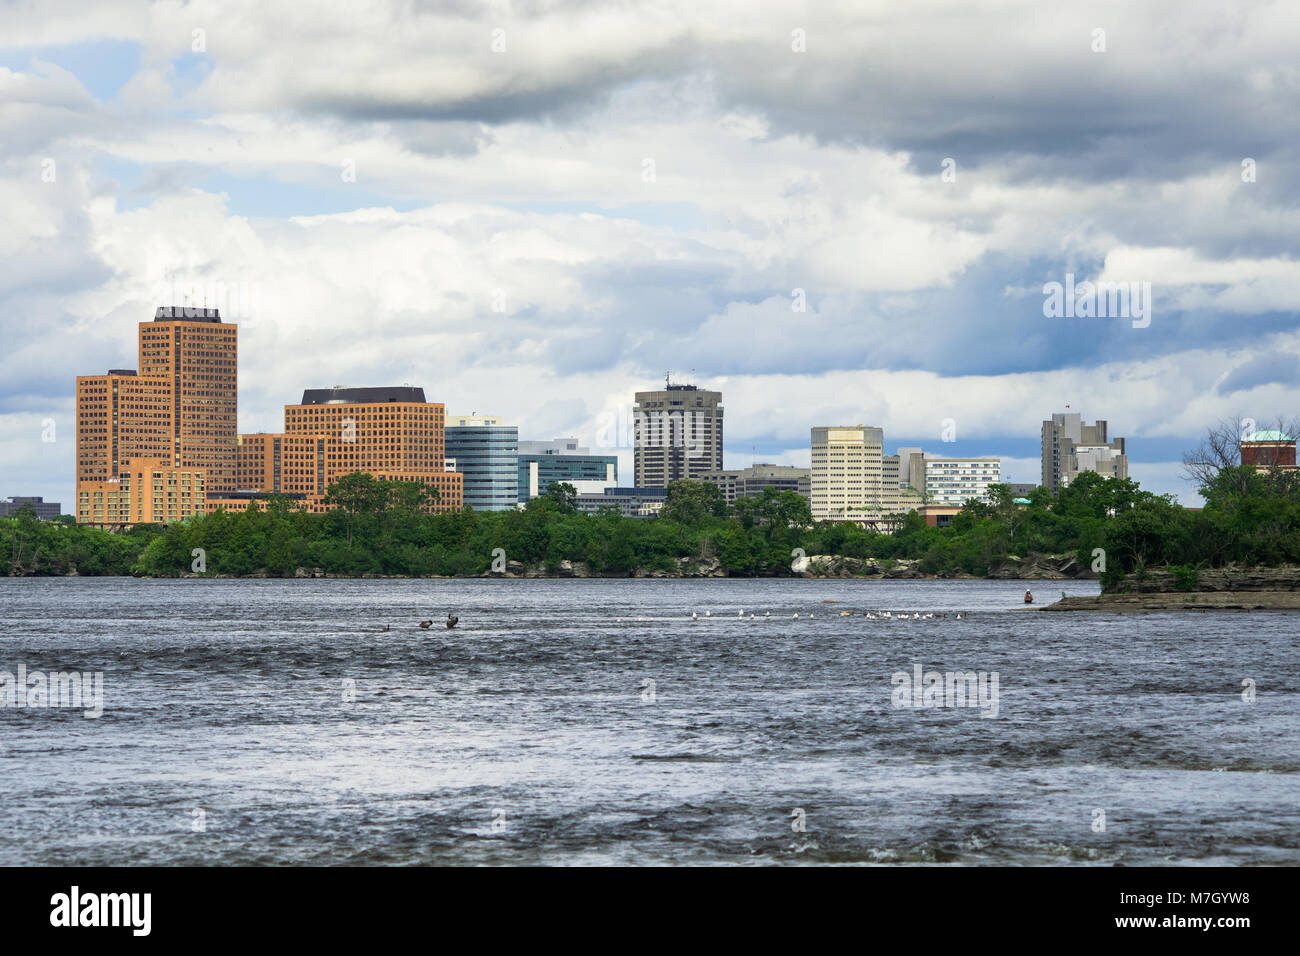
(486, 451)
(678, 434)
(896, 493)
(544, 463)
(750, 482)
(847, 467)
(199, 355)
(1070, 448)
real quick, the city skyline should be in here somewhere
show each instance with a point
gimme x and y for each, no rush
(160, 428)
(565, 245)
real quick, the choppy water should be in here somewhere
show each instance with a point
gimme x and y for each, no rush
(527, 735)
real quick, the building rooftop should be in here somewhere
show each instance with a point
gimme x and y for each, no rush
(189, 313)
(1270, 436)
(362, 396)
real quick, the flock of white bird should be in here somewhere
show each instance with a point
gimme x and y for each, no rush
(869, 615)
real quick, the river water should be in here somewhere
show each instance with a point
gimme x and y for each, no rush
(595, 722)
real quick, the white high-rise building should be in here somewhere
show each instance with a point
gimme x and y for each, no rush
(847, 472)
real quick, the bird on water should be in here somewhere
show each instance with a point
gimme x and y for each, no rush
(451, 621)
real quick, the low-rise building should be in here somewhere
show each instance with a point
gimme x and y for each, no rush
(750, 482)
(953, 481)
(144, 491)
(563, 460)
(1266, 449)
(44, 510)
(631, 502)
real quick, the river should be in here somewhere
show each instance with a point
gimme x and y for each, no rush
(597, 722)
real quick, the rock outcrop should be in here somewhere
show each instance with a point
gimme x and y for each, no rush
(1229, 578)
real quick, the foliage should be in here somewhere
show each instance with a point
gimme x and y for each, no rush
(385, 528)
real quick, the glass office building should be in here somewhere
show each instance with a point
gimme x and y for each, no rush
(486, 453)
(544, 463)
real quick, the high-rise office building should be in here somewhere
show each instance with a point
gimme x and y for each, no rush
(198, 354)
(678, 434)
(121, 416)
(486, 451)
(544, 463)
(390, 433)
(173, 419)
(847, 471)
(1070, 447)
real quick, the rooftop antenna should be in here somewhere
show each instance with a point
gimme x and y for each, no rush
(667, 375)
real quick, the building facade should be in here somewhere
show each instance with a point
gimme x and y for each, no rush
(177, 411)
(677, 434)
(44, 510)
(143, 491)
(749, 482)
(198, 354)
(544, 463)
(388, 432)
(1070, 447)
(954, 481)
(1266, 449)
(631, 502)
(486, 454)
(847, 473)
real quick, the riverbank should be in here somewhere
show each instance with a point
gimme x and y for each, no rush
(1033, 567)
(1183, 601)
(1230, 588)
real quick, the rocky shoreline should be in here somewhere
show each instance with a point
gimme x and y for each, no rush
(1182, 601)
(1230, 588)
(1033, 567)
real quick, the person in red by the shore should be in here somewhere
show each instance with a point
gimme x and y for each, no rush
(1029, 596)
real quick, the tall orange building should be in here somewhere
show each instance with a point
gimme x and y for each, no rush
(388, 432)
(161, 443)
(175, 416)
(199, 354)
(121, 416)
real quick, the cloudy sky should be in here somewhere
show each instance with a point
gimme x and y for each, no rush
(834, 213)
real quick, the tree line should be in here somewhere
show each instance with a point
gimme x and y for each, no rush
(386, 528)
